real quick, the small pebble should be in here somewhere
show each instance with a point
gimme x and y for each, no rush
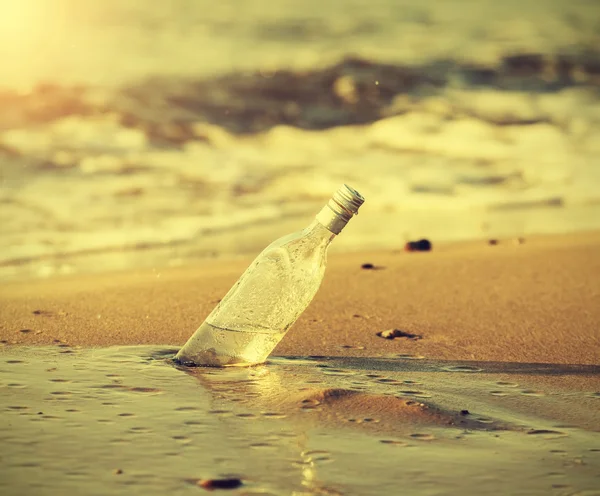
(492, 242)
(421, 245)
(118, 471)
(465, 412)
(370, 266)
(397, 333)
(232, 483)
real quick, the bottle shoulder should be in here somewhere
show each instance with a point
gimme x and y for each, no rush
(315, 237)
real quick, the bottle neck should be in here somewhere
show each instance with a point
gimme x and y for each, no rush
(334, 221)
(318, 231)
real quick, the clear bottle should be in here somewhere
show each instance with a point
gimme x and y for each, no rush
(245, 327)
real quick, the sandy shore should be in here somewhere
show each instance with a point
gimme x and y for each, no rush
(502, 374)
(535, 302)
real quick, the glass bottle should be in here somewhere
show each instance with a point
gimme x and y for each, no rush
(245, 327)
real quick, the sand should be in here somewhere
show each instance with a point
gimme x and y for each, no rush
(535, 302)
(501, 371)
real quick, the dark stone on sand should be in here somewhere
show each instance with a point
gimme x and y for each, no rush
(370, 266)
(420, 245)
(465, 412)
(493, 242)
(232, 483)
(397, 333)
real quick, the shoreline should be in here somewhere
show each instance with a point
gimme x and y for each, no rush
(535, 302)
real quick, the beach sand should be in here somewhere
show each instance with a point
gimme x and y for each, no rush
(534, 302)
(501, 374)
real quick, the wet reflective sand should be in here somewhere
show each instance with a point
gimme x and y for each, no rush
(106, 421)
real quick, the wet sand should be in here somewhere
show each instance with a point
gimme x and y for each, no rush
(500, 374)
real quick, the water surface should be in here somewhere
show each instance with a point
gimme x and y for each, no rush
(125, 419)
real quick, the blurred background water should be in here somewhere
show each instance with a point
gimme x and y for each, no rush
(143, 135)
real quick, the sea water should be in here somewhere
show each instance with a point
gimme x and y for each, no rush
(125, 419)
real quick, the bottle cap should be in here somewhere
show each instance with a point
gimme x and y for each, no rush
(339, 210)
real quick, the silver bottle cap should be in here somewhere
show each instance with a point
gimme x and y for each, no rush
(339, 210)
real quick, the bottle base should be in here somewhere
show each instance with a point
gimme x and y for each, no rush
(213, 346)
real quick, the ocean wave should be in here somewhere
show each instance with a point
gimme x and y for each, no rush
(440, 148)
